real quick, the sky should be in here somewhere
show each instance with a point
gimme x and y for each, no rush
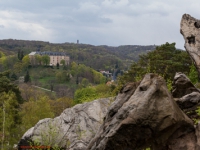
(96, 22)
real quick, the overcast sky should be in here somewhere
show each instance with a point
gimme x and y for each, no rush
(96, 22)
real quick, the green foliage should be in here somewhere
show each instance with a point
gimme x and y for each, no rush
(169, 84)
(98, 57)
(84, 82)
(91, 93)
(9, 102)
(198, 113)
(59, 105)
(6, 86)
(13, 76)
(2, 54)
(85, 95)
(48, 138)
(20, 55)
(25, 61)
(165, 60)
(33, 111)
(62, 76)
(80, 70)
(57, 65)
(18, 67)
(27, 77)
(62, 62)
(38, 59)
(10, 98)
(193, 74)
(8, 62)
(46, 59)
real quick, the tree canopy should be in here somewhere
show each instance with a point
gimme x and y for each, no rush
(165, 60)
(6, 85)
(45, 59)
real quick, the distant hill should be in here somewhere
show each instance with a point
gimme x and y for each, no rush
(97, 57)
(130, 51)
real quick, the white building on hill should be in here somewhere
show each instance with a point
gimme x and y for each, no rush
(55, 57)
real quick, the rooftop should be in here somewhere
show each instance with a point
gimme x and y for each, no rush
(49, 53)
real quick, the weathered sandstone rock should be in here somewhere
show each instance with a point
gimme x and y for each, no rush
(182, 86)
(197, 133)
(149, 117)
(144, 114)
(189, 100)
(186, 95)
(73, 129)
(190, 29)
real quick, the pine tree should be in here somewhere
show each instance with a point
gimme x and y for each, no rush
(27, 77)
(14, 76)
(57, 65)
(20, 55)
(77, 82)
(165, 60)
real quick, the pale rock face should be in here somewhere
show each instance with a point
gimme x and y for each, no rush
(147, 117)
(144, 114)
(190, 29)
(73, 129)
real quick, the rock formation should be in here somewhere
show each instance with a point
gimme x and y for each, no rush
(182, 86)
(144, 114)
(149, 117)
(190, 29)
(73, 129)
(186, 95)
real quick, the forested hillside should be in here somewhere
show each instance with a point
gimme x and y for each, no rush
(97, 57)
(131, 52)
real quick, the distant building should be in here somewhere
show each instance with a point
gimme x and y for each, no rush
(21, 79)
(55, 57)
(77, 41)
(106, 73)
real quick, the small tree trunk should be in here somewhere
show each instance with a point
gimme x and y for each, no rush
(4, 118)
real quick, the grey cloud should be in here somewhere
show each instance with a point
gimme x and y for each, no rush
(111, 22)
(2, 26)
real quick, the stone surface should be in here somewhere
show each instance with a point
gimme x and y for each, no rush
(73, 129)
(186, 95)
(186, 142)
(182, 86)
(189, 100)
(190, 29)
(149, 116)
(197, 133)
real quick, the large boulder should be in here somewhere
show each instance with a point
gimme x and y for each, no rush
(190, 29)
(186, 95)
(182, 85)
(148, 118)
(73, 129)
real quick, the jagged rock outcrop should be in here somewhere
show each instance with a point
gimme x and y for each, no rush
(182, 86)
(197, 133)
(149, 117)
(186, 95)
(144, 114)
(190, 29)
(73, 129)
